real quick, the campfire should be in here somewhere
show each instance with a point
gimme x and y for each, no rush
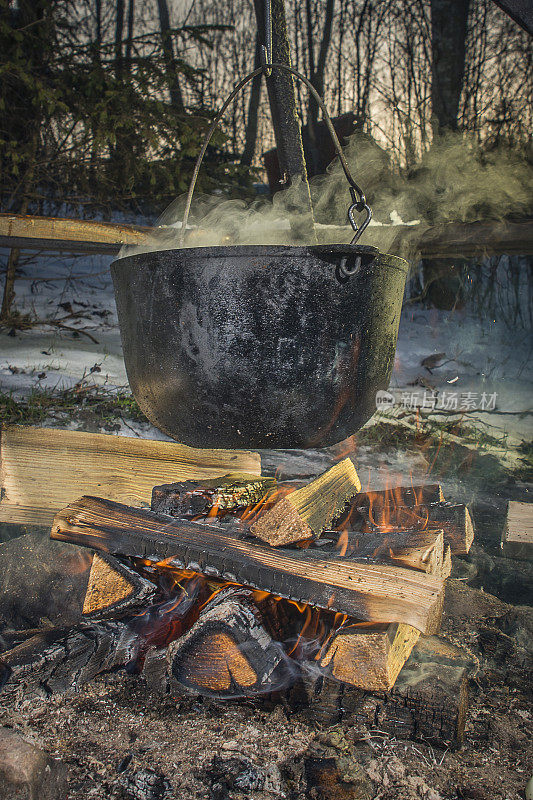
(242, 587)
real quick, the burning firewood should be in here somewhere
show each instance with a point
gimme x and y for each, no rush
(228, 652)
(419, 549)
(453, 518)
(305, 513)
(407, 496)
(367, 591)
(229, 493)
(113, 587)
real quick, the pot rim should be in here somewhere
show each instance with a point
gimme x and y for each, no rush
(262, 250)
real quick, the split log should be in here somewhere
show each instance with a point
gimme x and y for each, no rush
(369, 592)
(420, 550)
(43, 469)
(369, 656)
(429, 700)
(60, 659)
(113, 587)
(453, 518)
(194, 498)
(305, 513)
(228, 652)
(517, 539)
(393, 497)
(407, 496)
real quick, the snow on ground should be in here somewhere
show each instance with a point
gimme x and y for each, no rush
(485, 362)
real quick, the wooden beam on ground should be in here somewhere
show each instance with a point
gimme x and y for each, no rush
(68, 235)
(466, 239)
(369, 592)
(369, 656)
(517, 539)
(42, 470)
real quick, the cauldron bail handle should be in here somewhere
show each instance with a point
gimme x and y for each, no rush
(358, 203)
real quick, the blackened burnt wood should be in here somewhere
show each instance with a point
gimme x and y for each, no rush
(370, 592)
(192, 498)
(429, 700)
(64, 658)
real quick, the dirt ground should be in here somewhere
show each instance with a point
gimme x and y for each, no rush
(119, 740)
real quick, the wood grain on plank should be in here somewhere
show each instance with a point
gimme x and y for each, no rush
(517, 539)
(42, 470)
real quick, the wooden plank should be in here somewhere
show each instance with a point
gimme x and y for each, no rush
(42, 470)
(305, 513)
(369, 592)
(447, 240)
(517, 538)
(69, 235)
(369, 657)
(466, 239)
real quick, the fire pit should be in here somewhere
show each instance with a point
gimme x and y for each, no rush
(240, 588)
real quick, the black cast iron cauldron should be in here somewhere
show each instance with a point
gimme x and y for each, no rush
(258, 346)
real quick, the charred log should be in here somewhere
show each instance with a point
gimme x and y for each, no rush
(369, 592)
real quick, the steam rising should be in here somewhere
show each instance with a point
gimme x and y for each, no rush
(455, 181)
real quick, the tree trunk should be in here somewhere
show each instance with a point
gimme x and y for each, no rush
(176, 97)
(449, 19)
(280, 87)
(9, 285)
(119, 30)
(253, 110)
(129, 39)
(317, 74)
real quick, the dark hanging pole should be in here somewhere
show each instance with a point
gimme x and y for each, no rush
(281, 96)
